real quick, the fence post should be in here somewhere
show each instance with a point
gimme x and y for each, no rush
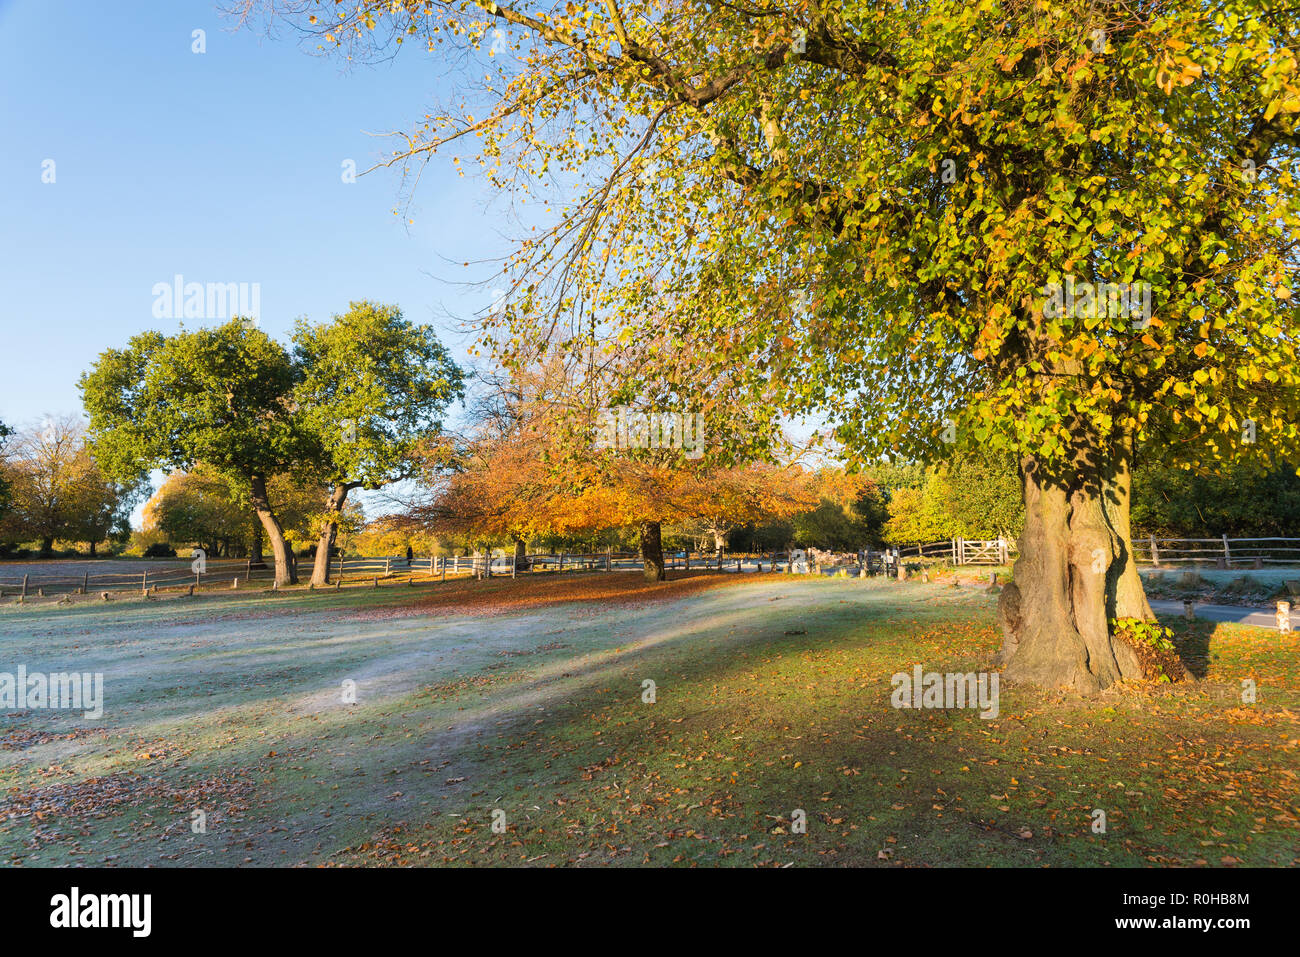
(144, 584)
(1227, 555)
(1155, 553)
(388, 567)
(24, 595)
(85, 582)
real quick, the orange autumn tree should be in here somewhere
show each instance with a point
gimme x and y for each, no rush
(725, 499)
(543, 460)
(487, 484)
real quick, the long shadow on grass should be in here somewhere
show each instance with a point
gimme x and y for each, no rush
(1192, 642)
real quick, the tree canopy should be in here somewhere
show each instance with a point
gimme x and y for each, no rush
(346, 409)
(372, 390)
(1055, 230)
(219, 396)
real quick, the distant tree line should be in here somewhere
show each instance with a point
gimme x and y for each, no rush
(978, 497)
(52, 491)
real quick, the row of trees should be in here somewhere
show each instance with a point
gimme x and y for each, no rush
(977, 496)
(886, 504)
(349, 405)
(52, 489)
(530, 467)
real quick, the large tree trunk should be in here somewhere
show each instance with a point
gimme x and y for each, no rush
(1130, 599)
(47, 546)
(1076, 572)
(255, 552)
(92, 549)
(329, 533)
(652, 552)
(285, 569)
(521, 554)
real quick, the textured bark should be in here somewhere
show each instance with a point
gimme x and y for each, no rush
(286, 572)
(1075, 573)
(652, 552)
(1130, 600)
(521, 554)
(329, 533)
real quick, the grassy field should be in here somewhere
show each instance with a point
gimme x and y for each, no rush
(526, 698)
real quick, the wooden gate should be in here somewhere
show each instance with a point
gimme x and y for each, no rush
(992, 552)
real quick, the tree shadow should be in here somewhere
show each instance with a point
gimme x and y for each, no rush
(1192, 642)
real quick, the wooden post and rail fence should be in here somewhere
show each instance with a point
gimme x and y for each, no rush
(172, 575)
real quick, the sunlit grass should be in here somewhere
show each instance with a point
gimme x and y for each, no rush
(772, 695)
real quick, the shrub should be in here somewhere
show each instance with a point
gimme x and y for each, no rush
(1154, 645)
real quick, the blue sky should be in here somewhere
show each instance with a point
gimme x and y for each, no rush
(224, 166)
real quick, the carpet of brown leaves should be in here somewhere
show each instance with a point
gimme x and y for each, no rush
(503, 595)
